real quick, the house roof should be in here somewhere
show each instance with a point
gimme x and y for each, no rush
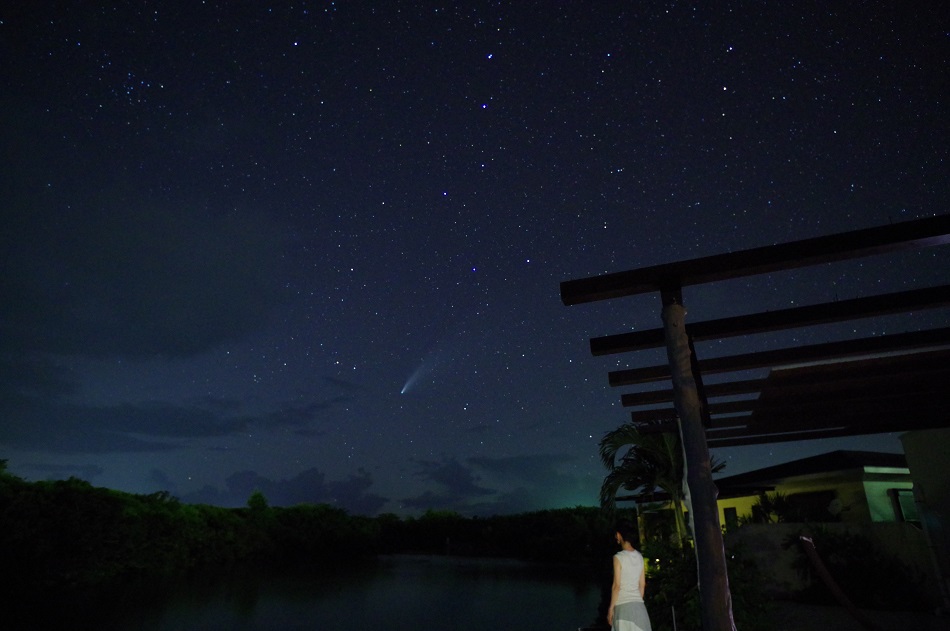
(833, 461)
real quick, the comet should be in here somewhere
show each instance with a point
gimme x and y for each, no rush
(413, 378)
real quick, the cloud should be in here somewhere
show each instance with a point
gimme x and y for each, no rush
(57, 471)
(65, 429)
(536, 469)
(518, 484)
(298, 416)
(457, 486)
(161, 479)
(61, 427)
(435, 501)
(136, 281)
(38, 379)
(310, 486)
(451, 475)
(535, 482)
(141, 280)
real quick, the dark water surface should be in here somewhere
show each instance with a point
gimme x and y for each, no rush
(397, 593)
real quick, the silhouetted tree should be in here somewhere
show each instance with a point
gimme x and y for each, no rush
(257, 501)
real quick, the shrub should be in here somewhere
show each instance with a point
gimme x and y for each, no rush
(672, 588)
(870, 578)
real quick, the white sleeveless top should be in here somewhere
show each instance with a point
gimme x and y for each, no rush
(631, 566)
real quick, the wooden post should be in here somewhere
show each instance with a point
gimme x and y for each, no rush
(714, 598)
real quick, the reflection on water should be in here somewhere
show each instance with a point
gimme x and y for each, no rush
(400, 592)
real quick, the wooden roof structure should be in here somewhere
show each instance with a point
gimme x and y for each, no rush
(878, 384)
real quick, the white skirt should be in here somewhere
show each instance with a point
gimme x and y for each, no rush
(631, 616)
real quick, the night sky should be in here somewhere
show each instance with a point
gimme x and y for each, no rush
(314, 248)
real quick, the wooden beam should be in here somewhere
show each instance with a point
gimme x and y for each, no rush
(626, 342)
(662, 414)
(652, 426)
(744, 440)
(899, 342)
(730, 388)
(650, 397)
(650, 416)
(659, 428)
(767, 321)
(766, 431)
(832, 413)
(724, 389)
(921, 233)
(731, 421)
(924, 364)
(715, 439)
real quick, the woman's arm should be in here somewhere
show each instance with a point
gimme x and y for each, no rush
(614, 592)
(643, 582)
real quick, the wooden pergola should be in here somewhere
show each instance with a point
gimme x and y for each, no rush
(840, 388)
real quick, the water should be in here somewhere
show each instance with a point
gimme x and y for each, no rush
(399, 593)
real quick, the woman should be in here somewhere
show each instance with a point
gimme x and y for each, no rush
(627, 612)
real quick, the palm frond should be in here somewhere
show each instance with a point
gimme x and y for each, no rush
(615, 440)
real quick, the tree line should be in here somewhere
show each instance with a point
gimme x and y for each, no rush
(68, 533)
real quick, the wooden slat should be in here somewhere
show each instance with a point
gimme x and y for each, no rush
(869, 412)
(767, 321)
(659, 428)
(915, 340)
(724, 389)
(924, 417)
(662, 414)
(838, 247)
(746, 438)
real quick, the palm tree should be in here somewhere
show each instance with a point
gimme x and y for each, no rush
(653, 461)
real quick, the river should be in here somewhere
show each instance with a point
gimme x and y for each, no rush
(411, 593)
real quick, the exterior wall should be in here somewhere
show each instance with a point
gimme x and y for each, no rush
(861, 495)
(854, 502)
(926, 452)
(742, 506)
(848, 490)
(880, 505)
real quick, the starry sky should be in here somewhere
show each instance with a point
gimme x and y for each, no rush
(315, 248)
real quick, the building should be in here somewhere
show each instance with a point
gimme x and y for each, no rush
(839, 486)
